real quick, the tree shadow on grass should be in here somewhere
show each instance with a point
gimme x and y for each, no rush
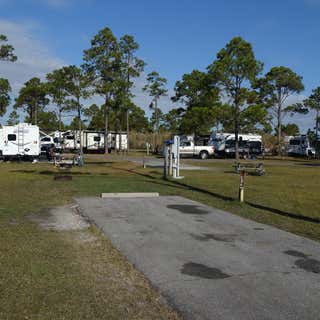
(284, 213)
(23, 171)
(177, 183)
(73, 173)
(99, 162)
(185, 186)
(308, 164)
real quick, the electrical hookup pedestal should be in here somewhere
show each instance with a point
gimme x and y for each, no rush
(241, 185)
(171, 166)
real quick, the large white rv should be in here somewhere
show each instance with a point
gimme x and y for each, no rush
(93, 141)
(300, 146)
(224, 144)
(21, 140)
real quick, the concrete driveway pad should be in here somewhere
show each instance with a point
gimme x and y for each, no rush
(211, 264)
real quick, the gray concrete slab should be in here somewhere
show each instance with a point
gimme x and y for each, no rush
(130, 195)
(211, 264)
(158, 163)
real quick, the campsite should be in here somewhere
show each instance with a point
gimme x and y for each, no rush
(52, 266)
(159, 160)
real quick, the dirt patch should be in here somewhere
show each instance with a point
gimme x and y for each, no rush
(64, 218)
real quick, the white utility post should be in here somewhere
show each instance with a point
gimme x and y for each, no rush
(170, 157)
(176, 157)
(148, 147)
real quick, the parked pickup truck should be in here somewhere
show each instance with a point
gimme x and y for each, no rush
(200, 148)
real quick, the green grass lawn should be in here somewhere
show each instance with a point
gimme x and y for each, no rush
(54, 274)
(51, 275)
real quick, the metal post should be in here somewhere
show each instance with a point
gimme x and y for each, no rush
(174, 167)
(144, 163)
(176, 157)
(241, 186)
(165, 162)
(170, 161)
(148, 148)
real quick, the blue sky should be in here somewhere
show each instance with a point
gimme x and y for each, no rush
(175, 37)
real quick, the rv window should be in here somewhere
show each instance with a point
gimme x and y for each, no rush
(55, 140)
(12, 137)
(230, 143)
(45, 139)
(243, 143)
(70, 137)
(202, 142)
(294, 142)
(96, 139)
(255, 144)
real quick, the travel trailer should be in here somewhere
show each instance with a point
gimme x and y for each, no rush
(93, 141)
(118, 141)
(57, 139)
(20, 141)
(224, 144)
(300, 146)
(71, 140)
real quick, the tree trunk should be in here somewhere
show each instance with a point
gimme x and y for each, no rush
(80, 128)
(279, 126)
(117, 128)
(60, 119)
(31, 115)
(236, 132)
(317, 124)
(35, 115)
(128, 90)
(128, 131)
(156, 126)
(317, 131)
(106, 147)
(120, 138)
(60, 124)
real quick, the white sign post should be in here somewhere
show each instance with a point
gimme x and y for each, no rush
(176, 157)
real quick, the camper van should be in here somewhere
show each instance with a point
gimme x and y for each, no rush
(300, 146)
(20, 141)
(224, 144)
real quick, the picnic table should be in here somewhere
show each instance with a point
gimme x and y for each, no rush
(63, 162)
(247, 167)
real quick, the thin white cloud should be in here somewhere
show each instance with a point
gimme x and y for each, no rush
(312, 3)
(55, 3)
(50, 3)
(34, 57)
(143, 100)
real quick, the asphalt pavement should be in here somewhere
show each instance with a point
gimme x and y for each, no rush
(210, 264)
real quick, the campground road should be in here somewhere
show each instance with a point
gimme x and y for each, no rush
(210, 264)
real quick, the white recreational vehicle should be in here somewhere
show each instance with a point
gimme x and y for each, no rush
(224, 144)
(300, 146)
(21, 140)
(93, 141)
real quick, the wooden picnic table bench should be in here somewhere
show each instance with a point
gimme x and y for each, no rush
(64, 163)
(255, 167)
